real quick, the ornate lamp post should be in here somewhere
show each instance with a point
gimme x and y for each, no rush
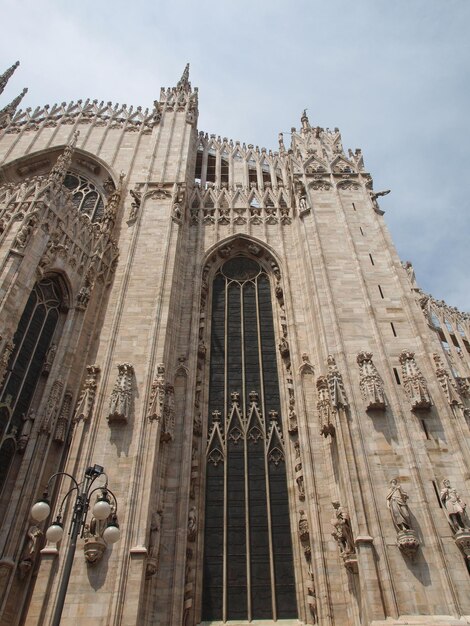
(102, 510)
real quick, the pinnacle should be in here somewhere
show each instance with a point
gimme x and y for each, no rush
(7, 112)
(183, 82)
(59, 170)
(4, 78)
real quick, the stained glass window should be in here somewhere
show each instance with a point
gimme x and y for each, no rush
(31, 341)
(248, 565)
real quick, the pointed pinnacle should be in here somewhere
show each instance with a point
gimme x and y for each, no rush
(4, 78)
(59, 171)
(10, 109)
(183, 82)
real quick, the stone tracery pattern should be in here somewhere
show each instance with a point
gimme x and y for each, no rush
(121, 401)
(413, 381)
(370, 382)
(86, 400)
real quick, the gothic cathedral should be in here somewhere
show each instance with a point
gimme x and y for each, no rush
(223, 339)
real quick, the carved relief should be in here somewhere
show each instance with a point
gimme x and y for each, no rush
(5, 359)
(370, 382)
(336, 386)
(120, 405)
(325, 410)
(26, 231)
(157, 395)
(447, 382)
(348, 185)
(64, 418)
(84, 407)
(413, 382)
(168, 424)
(52, 406)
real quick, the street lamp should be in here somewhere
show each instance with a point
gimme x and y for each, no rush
(102, 510)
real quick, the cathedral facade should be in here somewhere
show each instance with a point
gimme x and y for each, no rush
(282, 415)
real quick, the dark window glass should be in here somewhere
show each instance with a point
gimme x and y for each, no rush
(31, 340)
(248, 564)
(7, 452)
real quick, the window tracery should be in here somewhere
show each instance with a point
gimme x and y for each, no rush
(248, 562)
(32, 341)
(85, 196)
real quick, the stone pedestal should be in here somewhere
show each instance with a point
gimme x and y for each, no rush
(408, 542)
(462, 539)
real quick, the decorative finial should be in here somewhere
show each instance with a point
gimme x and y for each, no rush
(183, 82)
(59, 171)
(4, 78)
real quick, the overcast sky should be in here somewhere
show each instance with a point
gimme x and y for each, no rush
(393, 75)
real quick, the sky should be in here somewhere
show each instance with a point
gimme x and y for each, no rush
(393, 75)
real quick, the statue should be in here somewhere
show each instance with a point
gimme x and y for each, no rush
(396, 503)
(374, 195)
(135, 205)
(407, 539)
(26, 231)
(192, 524)
(454, 507)
(50, 356)
(30, 550)
(342, 532)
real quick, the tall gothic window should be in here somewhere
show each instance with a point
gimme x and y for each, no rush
(31, 340)
(248, 565)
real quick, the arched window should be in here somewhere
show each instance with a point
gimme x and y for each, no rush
(248, 564)
(31, 340)
(85, 196)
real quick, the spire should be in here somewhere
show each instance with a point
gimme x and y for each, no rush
(10, 109)
(111, 208)
(304, 120)
(183, 82)
(4, 78)
(58, 172)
